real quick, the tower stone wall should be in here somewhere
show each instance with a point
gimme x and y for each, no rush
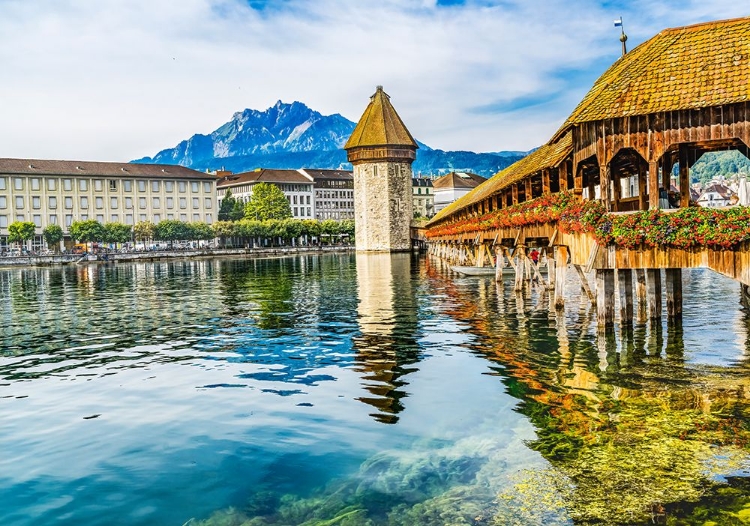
(382, 205)
(382, 150)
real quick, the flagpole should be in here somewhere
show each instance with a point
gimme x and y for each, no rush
(623, 36)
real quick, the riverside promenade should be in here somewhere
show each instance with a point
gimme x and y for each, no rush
(167, 255)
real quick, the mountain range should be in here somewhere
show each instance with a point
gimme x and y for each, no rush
(295, 136)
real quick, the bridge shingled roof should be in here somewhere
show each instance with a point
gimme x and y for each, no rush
(380, 125)
(546, 156)
(681, 68)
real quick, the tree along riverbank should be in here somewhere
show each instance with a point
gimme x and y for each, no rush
(166, 255)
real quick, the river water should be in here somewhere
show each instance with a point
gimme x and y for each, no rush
(361, 390)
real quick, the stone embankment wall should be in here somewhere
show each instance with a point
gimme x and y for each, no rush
(166, 255)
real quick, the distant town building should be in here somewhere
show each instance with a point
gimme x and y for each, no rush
(296, 185)
(452, 186)
(423, 196)
(717, 195)
(49, 192)
(334, 193)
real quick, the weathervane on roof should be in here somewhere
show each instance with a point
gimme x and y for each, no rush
(623, 36)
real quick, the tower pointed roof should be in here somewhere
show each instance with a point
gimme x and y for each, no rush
(380, 125)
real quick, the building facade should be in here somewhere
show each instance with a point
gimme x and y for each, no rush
(423, 197)
(453, 186)
(382, 151)
(48, 192)
(296, 185)
(334, 193)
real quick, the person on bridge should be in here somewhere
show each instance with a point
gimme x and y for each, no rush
(534, 255)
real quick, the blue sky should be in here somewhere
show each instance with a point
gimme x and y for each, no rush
(118, 80)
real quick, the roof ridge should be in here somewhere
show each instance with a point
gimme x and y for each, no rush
(724, 22)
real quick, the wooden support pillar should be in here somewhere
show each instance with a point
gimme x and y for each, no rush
(528, 191)
(514, 193)
(585, 288)
(563, 176)
(684, 176)
(578, 182)
(499, 264)
(674, 292)
(666, 171)
(642, 187)
(653, 185)
(561, 266)
(616, 191)
(640, 293)
(625, 289)
(604, 184)
(551, 278)
(592, 189)
(520, 266)
(605, 297)
(653, 290)
(545, 181)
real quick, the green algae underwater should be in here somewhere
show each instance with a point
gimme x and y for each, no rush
(632, 432)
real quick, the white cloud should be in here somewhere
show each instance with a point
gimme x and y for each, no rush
(116, 80)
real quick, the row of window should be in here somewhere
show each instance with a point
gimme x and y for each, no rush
(35, 184)
(426, 190)
(339, 194)
(36, 202)
(334, 215)
(336, 184)
(336, 204)
(293, 199)
(114, 218)
(295, 187)
(302, 211)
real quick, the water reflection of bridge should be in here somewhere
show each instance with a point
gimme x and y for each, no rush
(601, 401)
(655, 111)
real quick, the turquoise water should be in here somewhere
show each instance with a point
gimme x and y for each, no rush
(378, 386)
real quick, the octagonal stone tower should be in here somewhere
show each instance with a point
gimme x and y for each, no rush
(382, 150)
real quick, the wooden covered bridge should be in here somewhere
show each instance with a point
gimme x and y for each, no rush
(600, 195)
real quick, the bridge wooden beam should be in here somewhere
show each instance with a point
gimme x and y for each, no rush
(640, 292)
(605, 297)
(674, 292)
(561, 267)
(546, 183)
(653, 286)
(625, 289)
(653, 185)
(562, 173)
(684, 153)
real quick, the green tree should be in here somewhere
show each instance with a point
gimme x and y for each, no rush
(201, 231)
(144, 230)
(238, 211)
(20, 231)
(87, 231)
(172, 230)
(53, 234)
(227, 206)
(225, 229)
(347, 228)
(267, 202)
(117, 233)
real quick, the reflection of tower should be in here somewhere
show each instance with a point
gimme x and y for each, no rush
(387, 322)
(382, 150)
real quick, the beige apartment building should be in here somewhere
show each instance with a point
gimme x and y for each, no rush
(48, 192)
